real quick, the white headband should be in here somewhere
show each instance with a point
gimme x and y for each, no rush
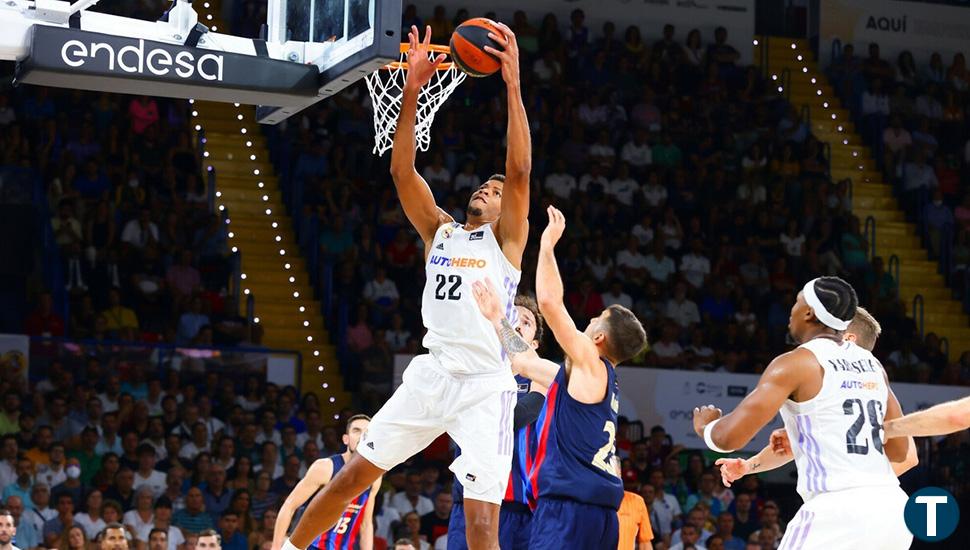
(821, 313)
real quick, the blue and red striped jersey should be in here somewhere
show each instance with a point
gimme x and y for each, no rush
(575, 444)
(344, 533)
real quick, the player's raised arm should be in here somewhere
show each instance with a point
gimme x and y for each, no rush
(513, 226)
(525, 360)
(549, 294)
(317, 476)
(415, 195)
(735, 430)
(897, 449)
(942, 419)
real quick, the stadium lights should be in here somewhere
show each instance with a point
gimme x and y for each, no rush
(218, 194)
(813, 80)
(231, 234)
(320, 368)
(256, 320)
(793, 46)
(755, 42)
(292, 279)
(825, 104)
(260, 185)
(799, 57)
(242, 276)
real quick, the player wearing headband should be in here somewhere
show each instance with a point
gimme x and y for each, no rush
(833, 397)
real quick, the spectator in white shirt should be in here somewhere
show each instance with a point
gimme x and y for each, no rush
(875, 110)
(592, 112)
(918, 175)
(623, 186)
(682, 310)
(147, 475)
(654, 192)
(559, 182)
(694, 265)
(90, 520)
(381, 292)
(631, 265)
(437, 174)
(659, 265)
(667, 352)
(927, 104)
(411, 499)
(616, 296)
(140, 231)
(602, 150)
(701, 355)
(547, 69)
(637, 152)
(268, 431)
(594, 182)
(895, 140)
(467, 180)
(643, 230)
(198, 444)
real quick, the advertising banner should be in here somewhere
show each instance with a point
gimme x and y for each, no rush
(668, 398)
(896, 26)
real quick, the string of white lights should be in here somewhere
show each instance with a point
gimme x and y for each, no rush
(273, 221)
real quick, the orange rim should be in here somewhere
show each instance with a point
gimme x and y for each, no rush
(433, 47)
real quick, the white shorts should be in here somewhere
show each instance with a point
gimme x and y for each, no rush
(864, 517)
(475, 411)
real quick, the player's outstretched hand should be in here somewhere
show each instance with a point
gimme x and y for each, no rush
(780, 444)
(487, 299)
(704, 416)
(508, 55)
(732, 469)
(420, 67)
(554, 230)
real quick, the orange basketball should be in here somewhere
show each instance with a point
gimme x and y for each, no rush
(468, 47)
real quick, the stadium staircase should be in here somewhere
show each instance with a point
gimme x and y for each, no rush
(248, 195)
(791, 63)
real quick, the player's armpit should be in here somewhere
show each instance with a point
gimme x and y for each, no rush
(779, 381)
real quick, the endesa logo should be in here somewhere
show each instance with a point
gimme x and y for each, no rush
(445, 261)
(133, 58)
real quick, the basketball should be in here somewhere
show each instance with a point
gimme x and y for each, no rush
(468, 47)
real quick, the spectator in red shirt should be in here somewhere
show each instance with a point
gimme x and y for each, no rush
(44, 321)
(143, 112)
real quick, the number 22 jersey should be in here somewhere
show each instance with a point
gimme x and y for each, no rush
(836, 436)
(459, 336)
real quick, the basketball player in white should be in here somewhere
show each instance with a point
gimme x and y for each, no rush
(833, 396)
(863, 331)
(464, 386)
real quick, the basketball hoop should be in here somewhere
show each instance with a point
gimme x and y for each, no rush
(386, 86)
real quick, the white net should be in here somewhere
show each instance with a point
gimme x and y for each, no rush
(386, 85)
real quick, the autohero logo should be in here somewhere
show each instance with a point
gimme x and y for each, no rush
(135, 58)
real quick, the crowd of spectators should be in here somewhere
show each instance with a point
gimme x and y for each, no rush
(141, 256)
(694, 195)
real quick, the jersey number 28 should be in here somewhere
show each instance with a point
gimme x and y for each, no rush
(450, 293)
(875, 415)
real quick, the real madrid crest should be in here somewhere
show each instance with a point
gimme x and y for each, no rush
(448, 231)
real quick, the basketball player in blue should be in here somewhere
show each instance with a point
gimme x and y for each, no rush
(578, 490)
(357, 522)
(464, 385)
(515, 516)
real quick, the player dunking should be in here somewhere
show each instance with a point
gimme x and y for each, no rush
(463, 386)
(833, 396)
(578, 489)
(356, 521)
(515, 517)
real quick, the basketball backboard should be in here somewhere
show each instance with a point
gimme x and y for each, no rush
(309, 50)
(345, 39)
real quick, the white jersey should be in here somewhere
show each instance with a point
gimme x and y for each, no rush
(459, 336)
(837, 436)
